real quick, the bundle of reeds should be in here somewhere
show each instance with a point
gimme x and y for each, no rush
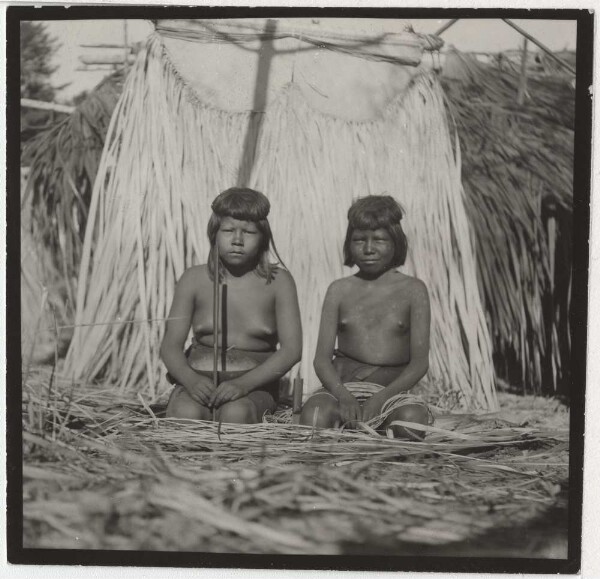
(103, 472)
(166, 157)
(517, 173)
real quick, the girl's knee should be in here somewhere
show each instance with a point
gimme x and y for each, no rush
(241, 411)
(410, 413)
(181, 405)
(321, 411)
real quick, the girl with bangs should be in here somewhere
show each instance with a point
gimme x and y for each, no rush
(259, 311)
(380, 320)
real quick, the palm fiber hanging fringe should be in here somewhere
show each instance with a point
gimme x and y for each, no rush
(167, 155)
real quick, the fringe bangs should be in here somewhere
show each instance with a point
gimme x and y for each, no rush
(370, 220)
(242, 203)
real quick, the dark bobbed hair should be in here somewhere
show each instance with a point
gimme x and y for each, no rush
(246, 205)
(377, 212)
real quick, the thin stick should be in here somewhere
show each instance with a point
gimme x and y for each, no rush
(215, 322)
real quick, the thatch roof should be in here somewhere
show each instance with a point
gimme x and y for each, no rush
(517, 164)
(63, 162)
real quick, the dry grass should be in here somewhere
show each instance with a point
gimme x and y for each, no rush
(103, 472)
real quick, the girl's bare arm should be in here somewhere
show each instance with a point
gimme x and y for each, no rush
(349, 408)
(326, 343)
(420, 316)
(178, 327)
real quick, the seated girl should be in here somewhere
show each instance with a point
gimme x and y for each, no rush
(259, 311)
(380, 318)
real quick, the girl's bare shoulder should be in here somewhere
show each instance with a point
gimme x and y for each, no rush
(410, 284)
(340, 287)
(195, 276)
(282, 279)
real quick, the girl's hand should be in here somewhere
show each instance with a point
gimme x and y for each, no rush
(226, 392)
(350, 410)
(372, 406)
(201, 390)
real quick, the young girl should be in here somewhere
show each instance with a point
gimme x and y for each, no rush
(259, 310)
(380, 318)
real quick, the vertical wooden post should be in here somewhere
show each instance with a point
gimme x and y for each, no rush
(523, 75)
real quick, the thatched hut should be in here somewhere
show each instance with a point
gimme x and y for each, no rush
(526, 306)
(180, 134)
(516, 167)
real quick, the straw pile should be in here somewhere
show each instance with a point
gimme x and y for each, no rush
(103, 472)
(518, 175)
(167, 155)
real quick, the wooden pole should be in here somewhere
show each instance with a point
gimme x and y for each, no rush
(523, 75)
(215, 321)
(540, 45)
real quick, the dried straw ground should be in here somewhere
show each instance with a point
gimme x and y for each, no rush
(106, 473)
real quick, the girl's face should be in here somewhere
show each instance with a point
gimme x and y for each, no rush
(238, 242)
(372, 250)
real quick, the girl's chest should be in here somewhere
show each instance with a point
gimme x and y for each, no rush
(384, 310)
(248, 305)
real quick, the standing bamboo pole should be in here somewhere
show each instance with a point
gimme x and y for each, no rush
(215, 321)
